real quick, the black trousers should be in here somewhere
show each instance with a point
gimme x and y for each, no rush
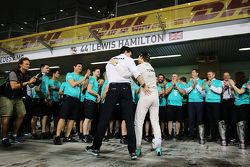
(195, 116)
(228, 115)
(214, 116)
(118, 92)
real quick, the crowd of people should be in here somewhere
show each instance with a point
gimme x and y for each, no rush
(95, 108)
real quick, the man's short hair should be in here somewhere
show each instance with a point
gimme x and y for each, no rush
(78, 64)
(211, 71)
(43, 65)
(124, 49)
(95, 68)
(183, 79)
(161, 75)
(196, 70)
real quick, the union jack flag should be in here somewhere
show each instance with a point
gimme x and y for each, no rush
(175, 35)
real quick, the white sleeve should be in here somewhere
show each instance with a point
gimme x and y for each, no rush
(132, 68)
(216, 90)
(123, 72)
(199, 88)
(189, 89)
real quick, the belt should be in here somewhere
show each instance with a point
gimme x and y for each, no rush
(72, 97)
(118, 83)
(228, 99)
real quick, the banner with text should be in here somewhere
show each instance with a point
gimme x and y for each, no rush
(191, 14)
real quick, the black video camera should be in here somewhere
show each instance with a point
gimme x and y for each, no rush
(38, 79)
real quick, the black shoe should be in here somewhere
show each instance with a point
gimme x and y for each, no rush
(6, 142)
(80, 136)
(69, 139)
(123, 140)
(170, 137)
(57, 141)
(35, 137)
(133, 156)
(17, 139)
(105, 139)
(179, 137)
(92, 151)
(86, 139)
(110, 136)
(117, 135)
(191, 137)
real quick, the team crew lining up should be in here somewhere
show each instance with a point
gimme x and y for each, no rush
(124, 105)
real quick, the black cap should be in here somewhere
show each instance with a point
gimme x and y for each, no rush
(145, 55)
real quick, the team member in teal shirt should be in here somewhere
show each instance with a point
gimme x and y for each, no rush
(71, 104)
(82, 98)
(41, 101)
(54, 86)
(175, 91)
(162, 102)
(213, 90)
(195, 106)
(184, 124)
(241, 105)
(92, 98)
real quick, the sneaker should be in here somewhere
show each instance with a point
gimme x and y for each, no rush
(69, 139)
(158, 151)
(105, 139)
(57, 141)
(92, 151)
(133, 156)
(17, 139)
(6, 142)
(242, 145)
(138, 152)
(123, 140)
(223, 143)
(86, 139)
(91, 137)
(202, 141)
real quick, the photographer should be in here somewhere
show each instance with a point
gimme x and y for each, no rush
(11, 98)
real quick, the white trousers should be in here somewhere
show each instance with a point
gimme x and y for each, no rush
(148, 103)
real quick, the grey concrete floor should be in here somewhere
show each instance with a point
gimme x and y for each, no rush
(42, 153)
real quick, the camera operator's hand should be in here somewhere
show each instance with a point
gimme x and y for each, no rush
(32, 80)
